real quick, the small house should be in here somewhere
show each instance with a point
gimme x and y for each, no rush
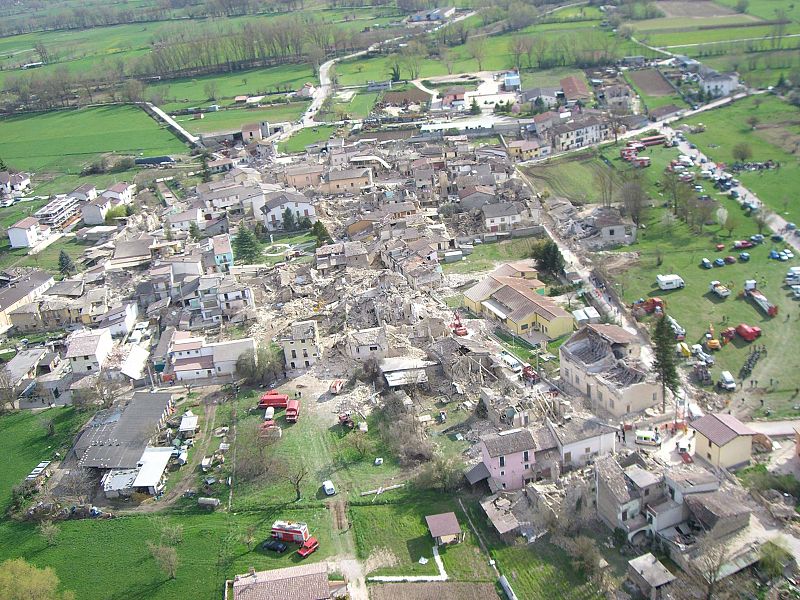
(511, 81)
(444, 528)
(649, 576)
(453, 97)
(723, 440)
(27, 233)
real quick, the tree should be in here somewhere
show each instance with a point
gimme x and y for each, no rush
(395, 71)
(166, 558)
(711, 557)
(321, 233)
(49, 532)
(548, 257)
(304, 224)
(66, 266)
(210, 90)
(474, 108)
(133, 90)
(206, 172)
(476, 47)
(77, 484)
(289, 221)
(252, 460)
(260, 367)
(42, 51)
(664, 363)
(443, 474)
(3, 165)
(516, 48)
(731, 223)
(742, 151)
(20, 580)
(604, 181)
(741, 6)
(296, 476)
(633, 199)
(752, 121)
(167, 231)
(761, 219)
(103, 392)
(8, 391)
(245, 245)
(194, 231)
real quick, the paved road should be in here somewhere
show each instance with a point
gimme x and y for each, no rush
(775, 428)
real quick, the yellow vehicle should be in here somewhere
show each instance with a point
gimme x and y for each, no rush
(683, 349)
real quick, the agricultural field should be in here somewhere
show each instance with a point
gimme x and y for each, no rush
(758, 69)
(233, 119)
(765, 9)
(776, 137)
(65, 141)
(678, 39)
(654, 90)
(298, 141)
(348, 105)
(486, 256)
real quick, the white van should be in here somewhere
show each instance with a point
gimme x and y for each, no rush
(327, 487)
(269, 414)
(726, 381)
(670, 282)
(646, 437)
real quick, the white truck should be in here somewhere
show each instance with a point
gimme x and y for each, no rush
(719, 289)
(670, 282)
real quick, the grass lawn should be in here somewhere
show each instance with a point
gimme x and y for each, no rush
(538, 571)
(703, 36)
(695, 308)
(64, 141)
(399, 529)
(305, 137)
(573, 178)
(118, 563)
(47, 259)
(684, 24)
(765, 9)
(232, 120)
(758, 70)
(24, 444)
(486, 256)
(775, 137)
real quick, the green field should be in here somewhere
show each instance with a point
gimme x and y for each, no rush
(65, 141)
(572, 178)
(485, 256)
(232, 120)
(47, 259)
(775, 137)
(704, 36)
(765, 9)
(116, 563)
(399, 530)
(24, 444)
(683, 24)
(305, 137)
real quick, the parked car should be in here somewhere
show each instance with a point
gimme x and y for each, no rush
(309, 547)
(791, 226)
(777, 237)
(744, 256)
(274, 546)
(788, 253)
(719, 262)
(719, 247)
(757, 238)
(705, 263)
(730, 260)
(741, 244)
(327, 487)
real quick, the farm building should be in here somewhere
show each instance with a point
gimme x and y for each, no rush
(303, 582)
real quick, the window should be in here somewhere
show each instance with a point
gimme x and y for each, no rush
(85, 358)
(587, 451)
(502, 461)
(373, 348)
(294, 353)
(708, 455)
(647, 492)
(709, 443)
(524, 326)
(526, 457)
(308, 364)
(567, 456)
(89, 367)
(502, 473)
(611, 232)
(624, 515)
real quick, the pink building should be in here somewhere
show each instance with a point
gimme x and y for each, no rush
(508, 456)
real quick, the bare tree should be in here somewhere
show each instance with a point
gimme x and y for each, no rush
(105, 391)
(252, 461)
(77, 484)
(361, 443)
(8, 391)
(516, 48)
(761, 219)
(166, 558)
(633, 198)
(711, 556)
(249, 537)
(604, 180)
(731, 223)
(446, 56)
(296, 475)
(49, 532)
(477, 50)
(210, 89)
(412, 59)
(42, 51)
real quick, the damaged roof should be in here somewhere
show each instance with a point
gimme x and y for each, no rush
(508, 442)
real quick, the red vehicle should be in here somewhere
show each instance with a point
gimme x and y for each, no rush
(746, 332)
(309, 547)
(650, 305)
(641, 162)
(291, 531)
(336, 386)
(731, 260)
(742, 244)
(292, 411)
(720, 247)
(653, 140)
(273, 398)
(457, 326)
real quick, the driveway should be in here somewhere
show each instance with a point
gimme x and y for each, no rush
(775, 428)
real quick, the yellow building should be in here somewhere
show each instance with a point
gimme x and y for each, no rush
(524, 149)
(723, 441)
(519, 305)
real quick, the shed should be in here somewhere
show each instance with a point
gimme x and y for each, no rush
(444, 528)
(649, 575)
(188, 425)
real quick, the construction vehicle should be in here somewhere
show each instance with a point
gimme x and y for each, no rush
(457, 326)
(336, 386)
(720, 290)
(697, 350)
(346, 420)
(680, 332)
(682, 349)
(748, 333)
(649, 305)
(711, 342)
(273, 398)
(752, 292)
(292, 411)
(727, 334)
(702, 374)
